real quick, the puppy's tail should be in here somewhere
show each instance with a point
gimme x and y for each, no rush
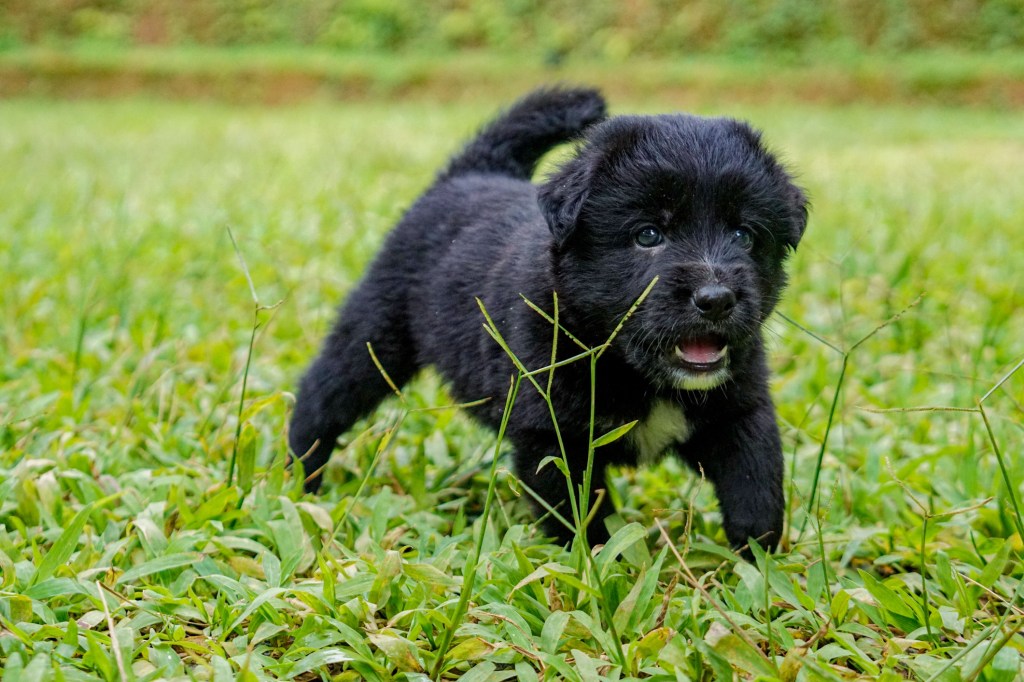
(513, 143)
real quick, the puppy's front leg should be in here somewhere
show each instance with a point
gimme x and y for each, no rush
(743, 460)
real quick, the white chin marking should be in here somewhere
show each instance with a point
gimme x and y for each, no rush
(699, 381)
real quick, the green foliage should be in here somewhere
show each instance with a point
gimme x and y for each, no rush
(555, 28)
(128, 552)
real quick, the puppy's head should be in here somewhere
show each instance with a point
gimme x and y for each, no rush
(700, 204)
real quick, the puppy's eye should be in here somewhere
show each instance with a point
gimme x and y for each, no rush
(648, 237)
(743, 237)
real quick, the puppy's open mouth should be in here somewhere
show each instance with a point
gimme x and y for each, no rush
(703, 353)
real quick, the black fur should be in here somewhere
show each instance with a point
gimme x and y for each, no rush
(728, 214)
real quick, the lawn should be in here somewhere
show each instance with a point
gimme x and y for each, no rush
(149, 530)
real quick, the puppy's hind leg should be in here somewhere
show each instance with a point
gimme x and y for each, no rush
(344, 384)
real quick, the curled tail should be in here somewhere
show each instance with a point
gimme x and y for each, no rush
(513, 143)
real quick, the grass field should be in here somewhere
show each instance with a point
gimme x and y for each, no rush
(126, 320)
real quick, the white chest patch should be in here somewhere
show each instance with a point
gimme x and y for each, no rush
(664, 425)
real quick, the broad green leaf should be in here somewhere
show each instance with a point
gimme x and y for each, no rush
(39, 669)
(951, 620)
(123, 637)
(652, 643)
(327, 576)
(65, 545)
(639, 602)
(994, 568)
(400, 651)
(265, 631)
(542, 572)
(320, 517)
(715, 661)
(561, 666)
(430, 575)
(525, 672)
(942, 570)
(290, 538)
(744, 657)
(614, 434)
(246, 457)
(513, 622)
(7, 574)
(817, 584)
(259, 601)
(585, 666)
(1005, 666)
(557, 461)
(164, 563)
(849, 642)
(55, 587)
(752, 586)
(838, 607)
(388, 569)
(791, 664)
(234, 590)
(151, 536)
(20, 609)
(886, 596)
(623, 538)
(573, 581)
(551, 633)
(513, 540)
(315, 661)
(482, 672)
(596, 630)
(470, 649)
(221, 506)
(271, 568)
(97, 655)
(246, 565)
(781, 583)
(355, 586)
(222, 671)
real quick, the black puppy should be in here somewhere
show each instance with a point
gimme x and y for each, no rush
(697, 202)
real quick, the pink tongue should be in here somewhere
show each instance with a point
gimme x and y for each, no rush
(701, 351)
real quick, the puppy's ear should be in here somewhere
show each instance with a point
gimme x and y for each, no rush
(797, 216)
(561, 198)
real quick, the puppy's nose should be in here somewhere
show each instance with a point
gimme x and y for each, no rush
(714, 301)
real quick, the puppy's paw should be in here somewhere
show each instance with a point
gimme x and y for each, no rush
(742, 533)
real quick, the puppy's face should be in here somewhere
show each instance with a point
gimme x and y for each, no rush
(699, 204)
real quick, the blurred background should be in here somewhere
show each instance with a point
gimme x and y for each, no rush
(278, 50)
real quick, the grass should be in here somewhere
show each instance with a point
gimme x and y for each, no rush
(281, 74)
(128, 552)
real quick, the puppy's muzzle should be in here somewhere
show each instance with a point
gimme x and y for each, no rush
(715, 302)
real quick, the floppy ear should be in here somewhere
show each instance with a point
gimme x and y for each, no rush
(797, 215)
(561, 198)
